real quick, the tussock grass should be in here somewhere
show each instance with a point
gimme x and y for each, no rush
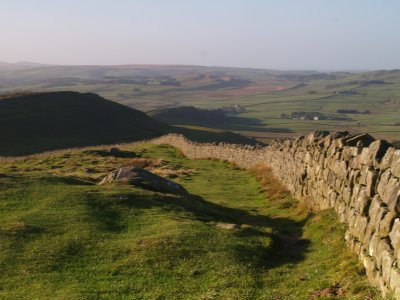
(273, 188)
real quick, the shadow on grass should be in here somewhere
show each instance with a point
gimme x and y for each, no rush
(236, 124)
(286, 244)
(254, 128)
(105, 213)
(207, 136)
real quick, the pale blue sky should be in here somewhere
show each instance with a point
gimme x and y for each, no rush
(276, 34)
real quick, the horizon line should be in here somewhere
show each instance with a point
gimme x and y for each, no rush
(333, 69)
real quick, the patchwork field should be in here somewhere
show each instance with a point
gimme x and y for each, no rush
(238, 235)
(268, 97)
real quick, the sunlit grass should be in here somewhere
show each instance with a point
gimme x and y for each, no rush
(65, 237)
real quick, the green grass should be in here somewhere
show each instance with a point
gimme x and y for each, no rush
(65, 237)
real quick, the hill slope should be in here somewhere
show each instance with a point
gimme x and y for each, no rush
(32, 123)
(63, 236)
(45, 121)
(189, 115)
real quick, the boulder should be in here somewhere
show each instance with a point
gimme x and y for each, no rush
(395, 235)
(387, 260)
(396, 163)
(361, 140)
(386, 223)
(116, 152)
(370, 268)
(319, 134)
(395, 278)
(360, 227)
(387, 159)
(228, 226)
(140, 177)
(122, 153)
(378, 150)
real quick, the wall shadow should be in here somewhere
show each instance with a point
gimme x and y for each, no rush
(286, 246)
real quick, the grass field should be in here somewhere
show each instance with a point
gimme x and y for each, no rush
(265, 94)
(65, 237)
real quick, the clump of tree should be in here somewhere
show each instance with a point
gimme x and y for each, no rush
(170, 82)
(235, 109)
(346, 93)
(303, 115)
(189, 115)
(316, 116)
(352, 111)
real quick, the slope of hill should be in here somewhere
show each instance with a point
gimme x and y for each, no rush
(45, 121)
(63, 236)
(37, 122)
(21, 65)
(189, 115)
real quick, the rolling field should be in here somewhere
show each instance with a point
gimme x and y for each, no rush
(264, 94)
(65, 237)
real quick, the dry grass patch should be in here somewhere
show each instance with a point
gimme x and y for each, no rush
(269, 183)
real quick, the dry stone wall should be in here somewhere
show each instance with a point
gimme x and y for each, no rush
(357, 176)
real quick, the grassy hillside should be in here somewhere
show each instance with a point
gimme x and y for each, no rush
(45, 121)
(65, 237)
(189, 115)
(32, 123)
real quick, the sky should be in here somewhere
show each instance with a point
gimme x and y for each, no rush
(271, 34)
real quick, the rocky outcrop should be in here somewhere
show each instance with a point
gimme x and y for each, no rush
(140, 177)
(357, 176)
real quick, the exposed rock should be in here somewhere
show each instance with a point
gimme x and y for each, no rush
(395, 166)
(374, 208)
(363, 140)
(140, 177)
(394, 277)
(387, 260)
(386, 161)
(360, 226)
(227, 226)
(386, 224)
(372, 176)
(116, 152)
(382, 250)
(377, 151)
(121, 153)
(370, 268)
(320, 134)
(395, 235)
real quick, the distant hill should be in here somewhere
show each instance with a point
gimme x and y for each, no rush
(37, 122)
(21, 65)
(45, 121)
(189, 115)
(225, 119)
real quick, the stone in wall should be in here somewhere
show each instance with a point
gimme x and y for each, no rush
(357, 176)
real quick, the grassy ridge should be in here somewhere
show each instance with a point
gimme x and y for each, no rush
(46, 121)
(65, 237)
